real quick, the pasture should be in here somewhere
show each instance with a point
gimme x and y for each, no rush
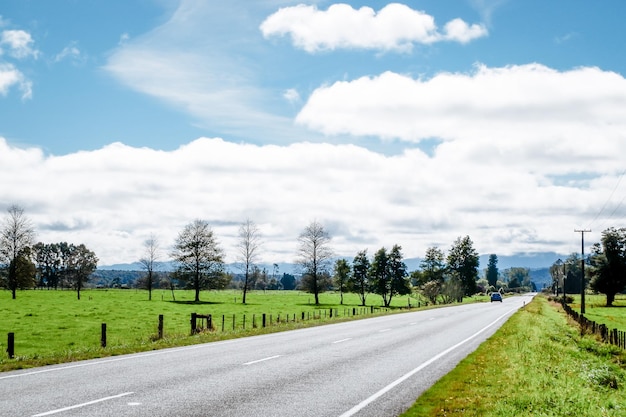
(596, 310)
(53, 326)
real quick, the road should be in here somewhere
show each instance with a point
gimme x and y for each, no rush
(371, 367)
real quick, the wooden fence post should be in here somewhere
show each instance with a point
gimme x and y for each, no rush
(193, 323)
(263, 319)
(103, 335)
(11, 345)
(160, 326)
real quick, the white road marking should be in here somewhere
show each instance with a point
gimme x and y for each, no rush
(342, 340)
(412, 324)
(406, 376)
(262, 360)
(383, 330)
(60, 410)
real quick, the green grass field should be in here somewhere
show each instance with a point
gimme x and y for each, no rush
(535, 365)
(53, 326)
(596, 310)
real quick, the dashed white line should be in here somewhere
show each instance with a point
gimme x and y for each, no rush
(262, 360)
(342, 340)
(383, 330)
(60, 410)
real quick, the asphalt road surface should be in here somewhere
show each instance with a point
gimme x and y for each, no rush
(372, 367)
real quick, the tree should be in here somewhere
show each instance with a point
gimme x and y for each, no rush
(48, 259)
(379, 274)
(397, 273)
(341, 277)
(492, 270)
(81, 262)
(609, 264)
(314, 256)
(388, 274)
(248, 251)
(463, 260)
(433, 266)
(518, 277)
(25, 272)
(452, 288)
(288, 282)
(16, 238)
(199, 259)
(572, 273)
(359, 279)
(149, 261)
(431, 291)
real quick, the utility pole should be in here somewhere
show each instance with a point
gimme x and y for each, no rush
(582, 268)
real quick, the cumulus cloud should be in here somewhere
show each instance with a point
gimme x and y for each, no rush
(10, 77)
(530, 114)
(396, 27)
(18, 44)
(113, 198)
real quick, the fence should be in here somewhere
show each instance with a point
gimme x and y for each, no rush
(206, 322)
(233, 322)
(612, 336)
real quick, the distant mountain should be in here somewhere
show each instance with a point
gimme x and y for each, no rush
(535, 260)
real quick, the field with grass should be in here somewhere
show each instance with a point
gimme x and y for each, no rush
(537, 364)
(596, 310)
(53, 326)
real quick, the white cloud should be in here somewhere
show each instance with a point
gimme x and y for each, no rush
(19, 43)
(527, 115)
(292, 95)
(69, 52)
(10, 77)
(395, 27)
(201, 61)
(111, 199)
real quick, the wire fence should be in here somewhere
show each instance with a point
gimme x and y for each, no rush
(611, 336)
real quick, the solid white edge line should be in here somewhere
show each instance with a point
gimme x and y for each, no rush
(262, 360)
(60, 410)
(403, 378)
(94, 362)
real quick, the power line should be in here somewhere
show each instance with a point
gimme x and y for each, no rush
(619, 180)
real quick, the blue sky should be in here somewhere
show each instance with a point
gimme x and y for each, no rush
(410, 123)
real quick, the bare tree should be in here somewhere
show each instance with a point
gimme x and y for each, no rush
(149, 261)
(198, 257)
(16, 238)
(314, 256)
(248, 251)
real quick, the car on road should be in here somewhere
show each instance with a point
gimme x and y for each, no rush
(496, 296)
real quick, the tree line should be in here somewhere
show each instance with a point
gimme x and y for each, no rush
(199, 265)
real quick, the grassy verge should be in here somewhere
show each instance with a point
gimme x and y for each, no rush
(535, 365)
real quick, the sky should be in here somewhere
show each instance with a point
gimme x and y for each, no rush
(410, 123)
